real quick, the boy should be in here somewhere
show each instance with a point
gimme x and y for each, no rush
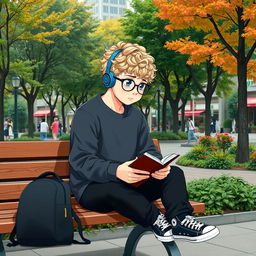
(108, 133)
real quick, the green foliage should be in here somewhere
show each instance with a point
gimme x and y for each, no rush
(21, 112)
(232, 106)
(223, 192)
(65, 136)
(26, 139)
(227, 123)
(207, 141)
(252, 163)
(209, 211)
(198, 152)
(253, 127)
(218, 160)
(168, 135)
(224, 141)
(233, 148)
(183, 135)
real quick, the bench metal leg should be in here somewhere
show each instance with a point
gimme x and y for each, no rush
(2, 251)
(137, 233)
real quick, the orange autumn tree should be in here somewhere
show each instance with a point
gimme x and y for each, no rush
(230, 40)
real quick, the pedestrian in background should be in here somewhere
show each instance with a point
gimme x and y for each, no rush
(60, 128)
(6, 129)
(11, 136)
(191, 128)
(43, 129)
(55, 128)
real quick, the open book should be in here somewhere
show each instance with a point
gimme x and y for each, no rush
(150, 163)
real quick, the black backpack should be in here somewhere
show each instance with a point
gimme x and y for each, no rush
(44, 216)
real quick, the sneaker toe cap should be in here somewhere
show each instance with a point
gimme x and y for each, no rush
(168, 233)
(208, 229)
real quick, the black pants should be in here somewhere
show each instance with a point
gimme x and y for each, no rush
(136, 203)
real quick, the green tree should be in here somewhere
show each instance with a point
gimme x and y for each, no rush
(20, 20)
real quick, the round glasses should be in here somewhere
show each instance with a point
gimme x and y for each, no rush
(128, 85)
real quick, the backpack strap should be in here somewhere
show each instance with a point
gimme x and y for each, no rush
(13, 242)
(86, 241)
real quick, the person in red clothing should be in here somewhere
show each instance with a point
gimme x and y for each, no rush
(55, 128)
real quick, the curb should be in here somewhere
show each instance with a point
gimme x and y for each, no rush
(120, 232)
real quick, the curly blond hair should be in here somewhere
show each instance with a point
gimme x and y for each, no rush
(133, 60)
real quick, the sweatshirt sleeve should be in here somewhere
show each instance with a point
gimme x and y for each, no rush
(145, 143)
(83, 157)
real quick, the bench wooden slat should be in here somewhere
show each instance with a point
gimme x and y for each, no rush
(7, 218)
(31, 169)
(38, 149)
(34, 149)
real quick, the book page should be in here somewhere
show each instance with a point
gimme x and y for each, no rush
(168, 158)
(153, 157)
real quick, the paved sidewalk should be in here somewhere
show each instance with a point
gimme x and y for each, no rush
(234, 240)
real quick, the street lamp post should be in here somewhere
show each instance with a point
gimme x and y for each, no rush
(15, 84)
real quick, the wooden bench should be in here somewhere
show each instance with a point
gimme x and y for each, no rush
(21, 162)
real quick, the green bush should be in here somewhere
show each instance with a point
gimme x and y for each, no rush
(253, 127)
(223, 192)
(227, 123)
(164, 135)
(207, 141)
(218, 160)
(183, 135)
(36, 134)
(26, 139)
(251, 165)
(198, 152)
(65, 136)
(233, 149)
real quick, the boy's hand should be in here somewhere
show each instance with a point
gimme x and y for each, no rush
(162, 173)
(130, 175)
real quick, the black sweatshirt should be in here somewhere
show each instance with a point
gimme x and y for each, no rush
(102, 139)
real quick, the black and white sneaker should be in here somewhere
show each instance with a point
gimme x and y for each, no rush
(192, 230)
(162, 229)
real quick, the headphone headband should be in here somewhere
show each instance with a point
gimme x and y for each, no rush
(108, 78)
(112, 57)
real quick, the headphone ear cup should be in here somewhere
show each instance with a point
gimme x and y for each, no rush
(106, 80)
(112, 79)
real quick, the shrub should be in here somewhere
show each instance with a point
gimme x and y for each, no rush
(207, 141)
(198, 152)
(218, 160)
(252, 162)
(65, 136)
(224, 141)
(26, 139)
(223, 192)
(183, 135)
(165, 135)
(227, 123)
(233, 149)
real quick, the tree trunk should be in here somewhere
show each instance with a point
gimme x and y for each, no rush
(243, 138)
(2, 85)
(164, 114)
(207, 121)
(183, 118)
(175, 116)
(30, 106)
(63, 116)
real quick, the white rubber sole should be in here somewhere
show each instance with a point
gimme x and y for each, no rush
(209, 235)
(164, 238)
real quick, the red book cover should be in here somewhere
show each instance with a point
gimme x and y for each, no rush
(149, 163)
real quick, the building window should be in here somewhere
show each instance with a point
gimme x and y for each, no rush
(114, 1)
(113, 10)
(121, 11)
(105, 8)
(122, 2)
(105, 1)
(104, 18)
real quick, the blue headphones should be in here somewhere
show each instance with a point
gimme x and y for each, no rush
(108, 78)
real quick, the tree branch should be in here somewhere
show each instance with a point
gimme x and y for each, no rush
(229, 47)
(249, 55)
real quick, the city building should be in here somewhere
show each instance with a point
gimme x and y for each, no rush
(108, 9)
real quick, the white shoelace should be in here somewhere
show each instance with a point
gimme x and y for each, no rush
(190, 222)
(162, 222)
